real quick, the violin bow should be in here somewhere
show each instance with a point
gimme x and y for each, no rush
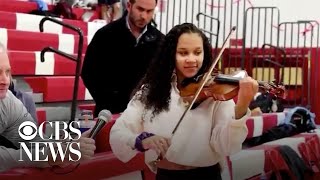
(205, 78)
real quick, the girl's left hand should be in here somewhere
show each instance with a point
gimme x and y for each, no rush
(248, 88)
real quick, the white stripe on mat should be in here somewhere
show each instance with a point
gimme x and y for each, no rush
(257, 125)
(46, 67)
(280, 118)
(66, 43)
(29, 22)
(4, 37)
(93, 27)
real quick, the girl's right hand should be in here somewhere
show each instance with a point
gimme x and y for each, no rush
(157, 143)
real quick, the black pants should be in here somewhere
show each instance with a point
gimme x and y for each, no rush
(201, 173)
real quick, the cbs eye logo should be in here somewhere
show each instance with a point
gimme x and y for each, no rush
(27, 130)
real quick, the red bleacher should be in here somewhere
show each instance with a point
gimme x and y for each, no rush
(36, 41)
(57, 89)
(257, 125)
(54, 64)
(26, 7)
(17, 6)
(101, 166)
(29, 22)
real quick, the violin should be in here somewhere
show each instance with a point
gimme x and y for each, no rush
(222, 87)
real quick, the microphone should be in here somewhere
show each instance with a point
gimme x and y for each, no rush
(103, 118)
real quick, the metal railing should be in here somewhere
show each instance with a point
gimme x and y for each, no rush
(279, 75)
(77, 59)
(258, 28)
(299, 46)
(211, 32)
(229, 13)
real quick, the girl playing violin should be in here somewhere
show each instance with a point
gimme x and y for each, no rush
(208, 133)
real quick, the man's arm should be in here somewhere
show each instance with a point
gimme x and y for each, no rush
(11, 158)
(13, 115)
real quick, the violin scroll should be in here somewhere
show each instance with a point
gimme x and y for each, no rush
(277, 90)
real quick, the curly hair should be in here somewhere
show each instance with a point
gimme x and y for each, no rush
(155, 87)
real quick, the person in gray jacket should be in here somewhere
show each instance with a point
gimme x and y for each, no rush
(26, 100)
(12, 114)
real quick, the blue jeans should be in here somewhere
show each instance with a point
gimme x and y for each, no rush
(42, 6)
